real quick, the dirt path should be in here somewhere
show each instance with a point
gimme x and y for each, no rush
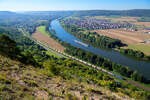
(47, 40)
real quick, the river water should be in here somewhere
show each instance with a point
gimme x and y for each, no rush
(142, 67)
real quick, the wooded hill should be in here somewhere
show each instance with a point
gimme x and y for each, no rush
(134, 13)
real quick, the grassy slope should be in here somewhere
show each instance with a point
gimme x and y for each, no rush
(19, 82)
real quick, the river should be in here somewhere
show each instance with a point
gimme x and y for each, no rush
(142, 67)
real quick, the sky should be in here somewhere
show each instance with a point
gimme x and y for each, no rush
(52, 5)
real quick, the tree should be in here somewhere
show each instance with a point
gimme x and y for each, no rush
(8, 47)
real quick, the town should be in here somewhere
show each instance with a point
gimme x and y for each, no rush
(93, 23)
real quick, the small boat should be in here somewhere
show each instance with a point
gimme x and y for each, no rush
(79, 42)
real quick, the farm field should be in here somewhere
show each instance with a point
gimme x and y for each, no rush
(128, 37)
(147, 24)
(42, 36)
(133, 20)
(131, 38)
(118, 18)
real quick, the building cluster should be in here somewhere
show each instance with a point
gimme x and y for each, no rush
(92, 23)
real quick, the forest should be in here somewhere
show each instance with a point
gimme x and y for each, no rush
(27, 47)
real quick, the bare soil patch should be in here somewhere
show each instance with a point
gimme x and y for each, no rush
(128, 37)
(47, 40)
(143, 23)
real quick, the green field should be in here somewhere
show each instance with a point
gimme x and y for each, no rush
(42, 29)
(143, 48)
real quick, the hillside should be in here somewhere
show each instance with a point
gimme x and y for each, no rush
(19, 81)
(44, 77)
(54, 79)
(135, 13)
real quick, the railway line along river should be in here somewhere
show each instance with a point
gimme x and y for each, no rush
(142, 67)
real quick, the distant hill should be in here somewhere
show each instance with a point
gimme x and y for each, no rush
(49, 13)
(134, 13)
(7, 13)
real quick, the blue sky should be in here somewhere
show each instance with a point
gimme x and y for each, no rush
(39, 5)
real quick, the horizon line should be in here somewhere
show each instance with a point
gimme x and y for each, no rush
(75, 10)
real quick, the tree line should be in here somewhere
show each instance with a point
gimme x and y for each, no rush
(134, 53)
(134, 13)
